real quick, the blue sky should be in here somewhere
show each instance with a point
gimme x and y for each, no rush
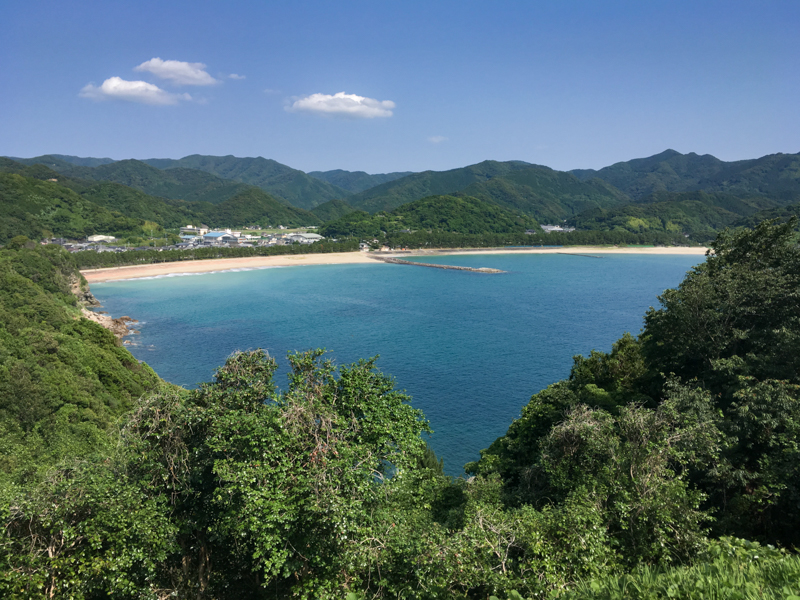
(427, 85)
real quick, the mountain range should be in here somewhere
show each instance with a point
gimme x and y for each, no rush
(690, 193)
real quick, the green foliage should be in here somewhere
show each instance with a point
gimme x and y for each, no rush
(273, 490)
(63, 379)
(433, 214)
(734, 315)
(730, 569)
(87, 532)
(39, 209)
(697, 214)
(332, 210)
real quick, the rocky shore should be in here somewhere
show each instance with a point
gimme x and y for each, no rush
(120, 327)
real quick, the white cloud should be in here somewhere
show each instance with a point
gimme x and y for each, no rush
(235, 76)
(271, 92)
(437, 139)
(179, 72)
(115, 88)
(343, 105)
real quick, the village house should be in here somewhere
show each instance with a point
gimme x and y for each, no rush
(192, 230)
(220, 237)
(305, 238)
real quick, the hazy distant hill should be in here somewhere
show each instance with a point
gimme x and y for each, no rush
(65, 158)
(356, 181)
(291, 185)
(775, 175)
(429, 183)
(444, 213)
(332, 210)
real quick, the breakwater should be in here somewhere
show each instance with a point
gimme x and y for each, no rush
(399, 261)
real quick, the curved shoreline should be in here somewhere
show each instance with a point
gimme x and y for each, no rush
(343, 258)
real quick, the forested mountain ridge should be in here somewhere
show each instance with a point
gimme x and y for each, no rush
(775, 175)
(390, 195)
(290, 185)
(545, 194)
(177, 184)
(356, 181)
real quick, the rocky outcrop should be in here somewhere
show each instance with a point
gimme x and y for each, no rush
(80, 288)
(119, 327)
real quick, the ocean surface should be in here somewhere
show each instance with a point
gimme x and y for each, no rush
(469, 348)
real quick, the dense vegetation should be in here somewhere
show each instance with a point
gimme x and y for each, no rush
(699, 215)
(432, 214)
(331, 210)
(622, 481)
(41, 209)
(63, 379)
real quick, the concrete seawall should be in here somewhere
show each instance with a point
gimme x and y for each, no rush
(399, 261)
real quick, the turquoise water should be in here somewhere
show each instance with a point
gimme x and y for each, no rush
(469, 348)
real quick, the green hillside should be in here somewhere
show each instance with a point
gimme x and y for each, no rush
(252, 206)
(699, 215)
(390, 195)
(63, 379)
(447, 214)
(356, 181)
(782, 213)
(105, 203)
(332, 210)
(177, 184)
(776, 175)
(546, 194)
(139, 205)
(39, 209)
(285, 183)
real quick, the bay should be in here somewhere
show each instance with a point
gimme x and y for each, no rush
(470, 348)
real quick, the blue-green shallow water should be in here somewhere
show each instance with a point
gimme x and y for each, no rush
(470, 348)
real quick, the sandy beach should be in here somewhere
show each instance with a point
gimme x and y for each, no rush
(341, 258)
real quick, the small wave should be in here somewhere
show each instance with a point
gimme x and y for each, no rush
(168, 275)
